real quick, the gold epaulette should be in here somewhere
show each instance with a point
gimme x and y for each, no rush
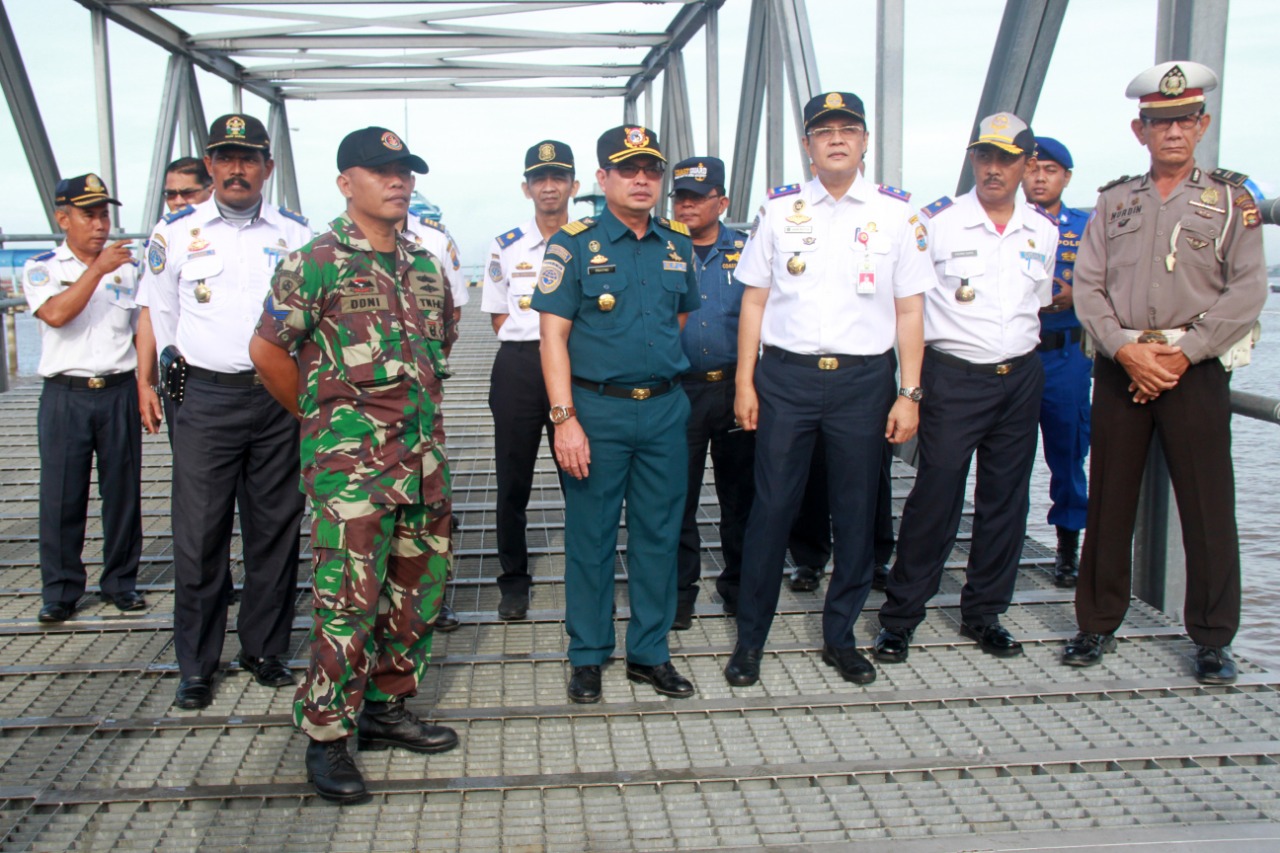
(674, 225)
(575, 228)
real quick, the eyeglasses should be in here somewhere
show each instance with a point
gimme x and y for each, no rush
(630, 170)
(680, 196)
(1184, 122)
(187, 193)
(826, 134)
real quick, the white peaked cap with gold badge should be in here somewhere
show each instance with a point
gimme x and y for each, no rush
(1172, 89)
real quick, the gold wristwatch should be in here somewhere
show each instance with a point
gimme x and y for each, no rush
(560, 414)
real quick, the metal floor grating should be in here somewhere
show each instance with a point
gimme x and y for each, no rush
(950, 750)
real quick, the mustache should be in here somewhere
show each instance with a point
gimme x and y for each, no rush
(235, 182)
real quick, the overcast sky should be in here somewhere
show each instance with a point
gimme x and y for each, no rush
(476, 147)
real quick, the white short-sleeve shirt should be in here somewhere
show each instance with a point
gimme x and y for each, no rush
(511, 271)
(437, 240)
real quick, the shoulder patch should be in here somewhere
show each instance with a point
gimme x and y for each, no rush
(43, 256)
(1236, 179)
(894, 191)
(294, 215)
(578, 226)
(505, 240)
(1117, 182)
(937, 207)
(1046, 214)
(779, 192)
(179, 213)
(675, 225)
(430, 223)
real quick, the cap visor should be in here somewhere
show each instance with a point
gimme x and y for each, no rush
(413, 161)
(614, 159)
(228, 143)
(692, 186)
(1171, 110)
(92, 201)
(836, 111)
(550, 167)
(1003, 146)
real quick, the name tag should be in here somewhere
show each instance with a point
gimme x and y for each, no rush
(798, 229)
(675, 266)
(610, 268)
(430, 303)
(529, 273)
(364, 304)
(968, 253)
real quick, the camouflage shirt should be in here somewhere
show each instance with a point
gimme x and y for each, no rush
(370, 349)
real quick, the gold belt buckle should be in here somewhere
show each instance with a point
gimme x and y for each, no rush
(1002, 369)
(715, 375)
(828, 363)
(1152, 336)
(641, 393)
(97, 382)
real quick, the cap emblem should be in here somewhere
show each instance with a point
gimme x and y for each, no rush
(390, 140)
(999, 121)
(636, 137)
(546, 152)
(93, 184)
(1173, 83)
(235, 128)
(698, 172)
(833, 101)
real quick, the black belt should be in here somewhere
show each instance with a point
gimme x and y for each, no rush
(247, 379)
(1050, 341)
(712, 375)
(624, 392)
(831, 361)
(93, 383)
(998, 369)
(521, 345)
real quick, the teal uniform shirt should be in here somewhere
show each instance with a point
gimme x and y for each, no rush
(623, 296)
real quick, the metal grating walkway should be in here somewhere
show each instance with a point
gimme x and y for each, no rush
(952, 750)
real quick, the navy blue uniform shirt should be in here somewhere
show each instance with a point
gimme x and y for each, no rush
(1071, 223)
(710, 338)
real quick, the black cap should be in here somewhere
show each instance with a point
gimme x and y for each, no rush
(376, 146)
(701, 175)
(239, 131)
(834, 103)
(549, 154)
(82, 191)
(621, 143)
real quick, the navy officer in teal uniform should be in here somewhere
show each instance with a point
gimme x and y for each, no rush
(613, 295)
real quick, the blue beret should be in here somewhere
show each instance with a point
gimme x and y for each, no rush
(1048, 148)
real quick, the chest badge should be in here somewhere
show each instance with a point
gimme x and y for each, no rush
(798, 218)
(809, 241)
(606, 302)
(203, 293)
(598, 259)
(964, 293)
(525, 302)
(197, 245)
(593, 246)
(1209, 196)
(796, 265)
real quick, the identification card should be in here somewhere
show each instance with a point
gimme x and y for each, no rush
(866, 275)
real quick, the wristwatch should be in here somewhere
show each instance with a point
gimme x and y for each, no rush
(915, 393)
(560, 414)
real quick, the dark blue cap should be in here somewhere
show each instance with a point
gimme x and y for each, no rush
(834, 103)
(701, 175)
(82, 191)
(1048, 148)
(376, 146)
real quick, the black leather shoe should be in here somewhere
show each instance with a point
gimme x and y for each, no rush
(893, 645)
(663, 677)
(130, 602)
(684, 617)
(447, 620)
(806, 578)
(382, 725)
(270, 671)
(743, 668)
(993, 639)
(1066, 563)
(513, 606)
(1085, 649)
(880, 576)
(584, 685)
(333, 772)
(194, 693)
(1214, 665)
(56, 611)
(850, 663)
(728, 597)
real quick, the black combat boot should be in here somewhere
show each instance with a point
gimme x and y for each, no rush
(333, 772)
(1066, 563)
(386, 724)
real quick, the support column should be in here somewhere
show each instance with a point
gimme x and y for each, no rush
(775, 95)
(106, 116)
(171, 97)
(713, 82)
(750, 112)
(26, 118)
(1197, 30)
(890, 42)
(790, 19)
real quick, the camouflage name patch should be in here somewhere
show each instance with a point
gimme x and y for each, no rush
(287, 282)
(365, 304)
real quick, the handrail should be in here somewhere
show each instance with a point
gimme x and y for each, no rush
(1256, 406)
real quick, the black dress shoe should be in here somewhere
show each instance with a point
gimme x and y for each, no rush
(270, 671)
(584, 685)
(743, 668)
(728, 598)
(513, 606)
(993, 639)
(382, 725)
(806, 578)
(447, 620)
(130, 602)
(1214, 665)
(880, 576)
(893, 644)
(1085, 649)
(333, 772)
(56, 611)
(194, 693)
(850, 663)
(663, 677)
(683, 620)
(1066, 563)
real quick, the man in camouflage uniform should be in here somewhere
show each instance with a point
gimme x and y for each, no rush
(368, 314)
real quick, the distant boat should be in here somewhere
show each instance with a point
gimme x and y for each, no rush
(1275, 286)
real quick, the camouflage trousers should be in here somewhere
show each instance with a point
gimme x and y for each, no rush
(379, 583)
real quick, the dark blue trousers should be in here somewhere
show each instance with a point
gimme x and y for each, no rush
(1064, 423)
(848, 407)
(74, 425)
(962, 414)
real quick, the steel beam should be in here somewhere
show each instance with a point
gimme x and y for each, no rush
(1024, 46)
(677, 120)
(791, 19)
(683, 27)
(713, 82)
(890, 50)
(630, 111)
(106, 116)
(26, 118)
(198, 128)
(536, 40)
(445, 71)
(775, 100)
(285, 177)
(1197, 30)
(750, 112)
(171, 97)
(460, 92)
